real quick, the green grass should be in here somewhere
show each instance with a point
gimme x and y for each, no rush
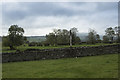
(22, 48)
(103, 66)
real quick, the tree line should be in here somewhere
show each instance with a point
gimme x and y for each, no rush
(111, 35)
(60, 37)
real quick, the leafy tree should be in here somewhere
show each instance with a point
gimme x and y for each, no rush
(61, 37)
(117, 33)
(5, 41)
(110, 33)
(25, 39)
(51, 39)
(105, 39)
(15, 36)
(98, 40)
(75, 39)
(92, 36)
(74, 30)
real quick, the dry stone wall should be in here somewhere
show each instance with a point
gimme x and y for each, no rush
(41, 54)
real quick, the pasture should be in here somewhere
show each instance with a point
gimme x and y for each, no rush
(102, 66)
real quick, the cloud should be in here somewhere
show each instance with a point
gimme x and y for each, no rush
(60, 0)
(79, 6)
(20, 10)
(39, 18)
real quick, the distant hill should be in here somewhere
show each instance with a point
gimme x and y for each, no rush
(83, 36)
(36, 38)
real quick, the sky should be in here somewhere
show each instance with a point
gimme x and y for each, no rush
(40, 18)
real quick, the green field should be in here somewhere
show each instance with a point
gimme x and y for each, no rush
(103, 66)
(22, 47)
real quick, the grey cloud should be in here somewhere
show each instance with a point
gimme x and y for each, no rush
(51, 9)
(34, 14)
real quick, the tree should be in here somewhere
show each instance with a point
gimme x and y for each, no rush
(58, 37)
(92, 36)
(61, 37)
(98, 40)
(105, 39)
(51, 39)
(75, 39)
(110, 33)
(25, 39)
(117, 33)
(15, 36)
(5, 41)
(74, 30)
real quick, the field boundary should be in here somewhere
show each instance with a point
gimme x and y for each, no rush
(42, 54)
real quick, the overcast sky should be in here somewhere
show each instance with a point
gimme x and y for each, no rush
(40, 18)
